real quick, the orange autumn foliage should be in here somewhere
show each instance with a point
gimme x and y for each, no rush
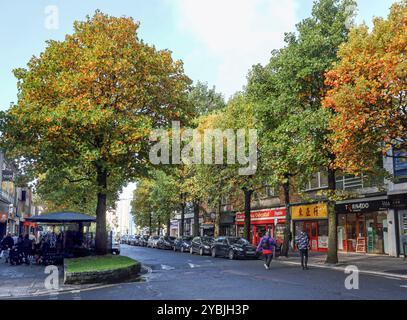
(368, 92)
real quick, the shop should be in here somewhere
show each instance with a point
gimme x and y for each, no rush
(398, 202)
(227, 224)
(363, 226)
(312, 219)
(271, 220)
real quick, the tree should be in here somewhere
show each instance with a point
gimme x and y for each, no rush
(90, 101)
(205, 100)
(142, 205)
(288, 93)
(368, 93)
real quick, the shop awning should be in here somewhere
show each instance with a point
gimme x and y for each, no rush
(62, 217)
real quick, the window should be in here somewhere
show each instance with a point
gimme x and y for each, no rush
(318, 181)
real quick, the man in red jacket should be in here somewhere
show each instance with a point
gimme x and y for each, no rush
(265, 246)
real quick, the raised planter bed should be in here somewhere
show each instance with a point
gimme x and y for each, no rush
(100, 269)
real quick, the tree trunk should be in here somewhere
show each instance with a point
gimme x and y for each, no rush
(101, 233)
(196, 219)
(332, 256)
(247, 209)
(158, 226)
(168, 226)
(287, 226)
(150, 224)
(181, 232)
(217, 220)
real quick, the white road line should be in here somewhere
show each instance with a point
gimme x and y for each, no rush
(393, 278)
(369, 272)
(165, 267)
(403, 286)
(194, 265)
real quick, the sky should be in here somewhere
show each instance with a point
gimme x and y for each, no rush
(218, 40)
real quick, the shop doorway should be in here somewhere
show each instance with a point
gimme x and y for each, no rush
(311, 228)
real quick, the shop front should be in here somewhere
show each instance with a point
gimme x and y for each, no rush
(363, 226)
(399, 208)
(312, 219)
(261, 221)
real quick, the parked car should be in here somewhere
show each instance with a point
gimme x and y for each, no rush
(152, 241)
(201, 245)
(165, 242)
(233, 248)
(116, 247)
(130, 240)
(182, 244)
(124, 239)
(134, 240)
(143, 241)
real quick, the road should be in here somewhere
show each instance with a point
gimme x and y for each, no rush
(182, 276)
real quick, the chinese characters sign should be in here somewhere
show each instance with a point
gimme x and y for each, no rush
(310, 211)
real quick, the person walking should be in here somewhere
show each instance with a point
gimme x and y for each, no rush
(265, 246)
(303, 246)
(27, 248)
(7, 244)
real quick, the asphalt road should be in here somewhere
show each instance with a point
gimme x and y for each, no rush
(182, 276)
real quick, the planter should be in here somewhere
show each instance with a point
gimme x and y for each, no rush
(105, 276)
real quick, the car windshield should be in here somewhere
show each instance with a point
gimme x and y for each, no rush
(240, 241)
(187, 238)
(207, 240)
(169, 238)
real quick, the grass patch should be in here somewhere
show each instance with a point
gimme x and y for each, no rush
(98, 263)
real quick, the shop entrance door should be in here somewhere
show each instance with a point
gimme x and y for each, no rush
(311, 228)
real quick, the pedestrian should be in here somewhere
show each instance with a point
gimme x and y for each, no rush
(15, 239)
(27, 248)
(7, 244)
(265, 246)
(303, 247)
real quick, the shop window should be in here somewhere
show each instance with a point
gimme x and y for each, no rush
(403, 230)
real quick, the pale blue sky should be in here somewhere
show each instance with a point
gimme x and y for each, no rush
(218, 40)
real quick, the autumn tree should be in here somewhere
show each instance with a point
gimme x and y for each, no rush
(90, 101)
(293, 126)
(368, 93)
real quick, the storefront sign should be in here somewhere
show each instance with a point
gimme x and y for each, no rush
(363, 206)
(310, 211)
(262, 215)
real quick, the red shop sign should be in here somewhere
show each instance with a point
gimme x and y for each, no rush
(261, 215)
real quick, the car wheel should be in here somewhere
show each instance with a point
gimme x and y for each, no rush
(213, 252)
(231, 255)
(201, 252)
(191, 251)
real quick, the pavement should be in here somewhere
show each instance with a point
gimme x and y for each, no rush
(367, 264)
(29, 281)
(182, 276)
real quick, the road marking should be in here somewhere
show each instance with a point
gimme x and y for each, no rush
(369, 272)
(403, 286)
(194, 265)
(393, 278)
(165, 267)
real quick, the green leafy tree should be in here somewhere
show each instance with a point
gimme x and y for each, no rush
(288, 93)
(90, 101)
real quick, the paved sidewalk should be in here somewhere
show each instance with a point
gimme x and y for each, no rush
(29, 280)
(369, 264)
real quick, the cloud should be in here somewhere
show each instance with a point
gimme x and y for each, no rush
(237, 33)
